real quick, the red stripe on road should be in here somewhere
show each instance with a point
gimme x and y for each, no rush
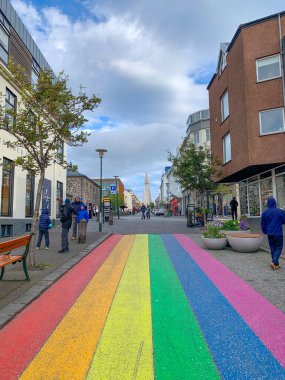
(23, 337)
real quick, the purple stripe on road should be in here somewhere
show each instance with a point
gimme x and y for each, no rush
(267, 322)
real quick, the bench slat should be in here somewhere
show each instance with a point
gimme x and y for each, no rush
(9, 245)
(9, 260)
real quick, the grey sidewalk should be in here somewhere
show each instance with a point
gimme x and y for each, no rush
(16, 293)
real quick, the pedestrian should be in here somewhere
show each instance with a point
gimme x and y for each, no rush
(82, 220)
(44, 225)
(234, 206)
(143, 208)
(76, 207)
(271, 223)
(66, 222)
(148, 212)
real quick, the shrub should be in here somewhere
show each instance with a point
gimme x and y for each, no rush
(243, 225)
(231, 225)
(213, 232)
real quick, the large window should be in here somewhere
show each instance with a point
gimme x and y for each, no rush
(10, 105)
(29, 204)
(227, 148)
(254, 200)
(7, 188)
(208, 136)
(225, 105)
(35, 72)
(268, 68)
(266, 189)
(196, 137)
(271, 121)
(4, 45)
(59, 197)
(60, 152)
(243, 200)
(280, 186)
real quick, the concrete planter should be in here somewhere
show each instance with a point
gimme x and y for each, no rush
(245, 242)
(227, 233)
(214, 243)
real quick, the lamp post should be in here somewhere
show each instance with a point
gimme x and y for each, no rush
(101, 154)
(116, 178)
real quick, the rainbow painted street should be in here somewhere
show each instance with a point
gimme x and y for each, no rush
(146, 307)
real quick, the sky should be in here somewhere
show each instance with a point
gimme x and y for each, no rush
(148, 60)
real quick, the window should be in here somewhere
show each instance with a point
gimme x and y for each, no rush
(266, 191)
(254, 200)
(208, 136)
(59, 197)
(225, 106)
(10, 105)
(35, 72)
(280, 190)
(243, 200)
(29, 204)
(268, 68)
(60, 152)
(196, 137)
(227, 148)
(4, 45)
(6, 230)
(7, 188)
(271, 121)
(28, 227)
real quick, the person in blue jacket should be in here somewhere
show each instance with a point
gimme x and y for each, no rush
(272, 220)
(82, 220)
(44, 225)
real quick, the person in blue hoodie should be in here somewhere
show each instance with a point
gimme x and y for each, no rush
(272, 220)
(44, 225)
(82, 220)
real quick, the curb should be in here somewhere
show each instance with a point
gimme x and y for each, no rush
(10, 311)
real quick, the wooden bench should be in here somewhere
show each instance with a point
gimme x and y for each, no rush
(6, 247)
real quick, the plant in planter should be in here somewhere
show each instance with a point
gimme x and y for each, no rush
(233, 226)
(213, 238)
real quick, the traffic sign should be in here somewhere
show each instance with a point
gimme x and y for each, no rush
(113, 189)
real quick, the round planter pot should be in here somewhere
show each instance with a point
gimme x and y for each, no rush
(245, 242)
(235, 232)
(214, 243)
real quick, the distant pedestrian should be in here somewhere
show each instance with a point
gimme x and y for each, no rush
(44, 225)
(234, 206)
(76, 207)
(66, 221)
(271, 223)
(148, 212)
(143, 209)
(82, 220)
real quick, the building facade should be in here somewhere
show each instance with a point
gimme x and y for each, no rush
(128, 200)
(246, 97)
(17, 187)
(80, 185)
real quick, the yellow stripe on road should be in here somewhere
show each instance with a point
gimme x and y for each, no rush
(125, 349)
(68, 352)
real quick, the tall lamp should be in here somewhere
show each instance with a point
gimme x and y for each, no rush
(116, 178)
(101, 154)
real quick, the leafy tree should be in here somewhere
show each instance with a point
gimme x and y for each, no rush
(195, 169)
(48, 114)
(71, 167)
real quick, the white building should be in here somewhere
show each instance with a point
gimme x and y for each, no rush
(128, 199)
(17, 187)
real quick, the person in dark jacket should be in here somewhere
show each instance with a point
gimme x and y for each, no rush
(143, 209)
(44, 225)
(272, 220)
(76, 207)
(234, 206)
(66, 221)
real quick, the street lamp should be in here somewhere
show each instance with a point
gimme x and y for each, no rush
(116, 178)
(101, 154)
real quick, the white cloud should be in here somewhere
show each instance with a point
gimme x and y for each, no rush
(138, 61)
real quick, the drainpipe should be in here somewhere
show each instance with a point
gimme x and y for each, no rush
(282, 53)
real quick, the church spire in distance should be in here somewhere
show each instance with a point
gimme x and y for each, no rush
(146, 192)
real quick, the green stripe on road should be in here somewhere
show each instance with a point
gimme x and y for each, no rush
(180, 351)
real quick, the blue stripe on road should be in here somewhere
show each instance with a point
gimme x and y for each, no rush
(237, 351)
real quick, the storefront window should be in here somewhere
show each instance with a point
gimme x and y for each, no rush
(254, 201)
(59, 198)
(265, 191)
(280, 190)
(30, 185)
(7, 188)
(243, 200)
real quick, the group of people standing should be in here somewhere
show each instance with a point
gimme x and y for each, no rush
(145, 210)
(73, 215)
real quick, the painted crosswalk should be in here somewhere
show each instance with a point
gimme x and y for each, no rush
(146, 307)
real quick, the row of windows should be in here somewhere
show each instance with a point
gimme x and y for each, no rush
(196, 136)
(7, 193)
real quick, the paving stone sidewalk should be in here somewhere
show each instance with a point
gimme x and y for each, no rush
(16, 293)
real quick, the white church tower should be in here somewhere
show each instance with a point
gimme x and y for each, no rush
(146, 192)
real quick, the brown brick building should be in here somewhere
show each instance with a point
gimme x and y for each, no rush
(247, 97)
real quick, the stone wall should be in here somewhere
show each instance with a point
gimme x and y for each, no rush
(86, 189)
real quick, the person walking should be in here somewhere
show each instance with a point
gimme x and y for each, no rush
(143, 208)
(44, 225)
(272, 220)
(234, 206)
(148, 212)
(82, 220)
(76, 207)
(66, 221)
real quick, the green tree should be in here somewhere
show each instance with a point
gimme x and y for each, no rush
(195, 170)
(48, 114)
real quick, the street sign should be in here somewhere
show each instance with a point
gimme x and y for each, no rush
(113, 189)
